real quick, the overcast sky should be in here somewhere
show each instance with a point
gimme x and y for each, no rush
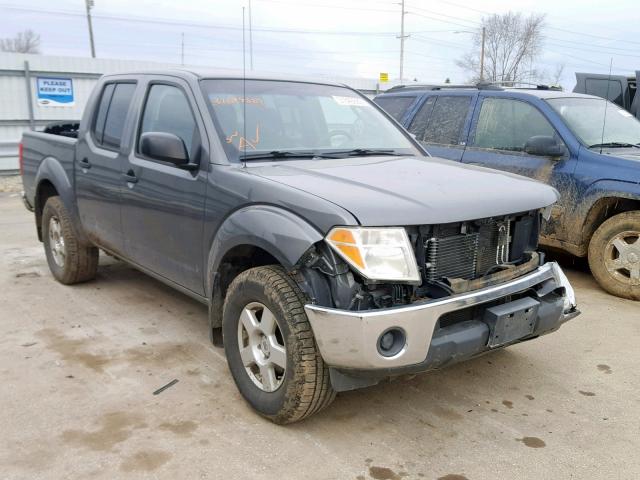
(335, 37)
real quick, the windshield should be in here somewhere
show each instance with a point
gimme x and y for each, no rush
(284, 119)
(585, 117)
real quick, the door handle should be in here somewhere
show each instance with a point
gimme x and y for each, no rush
(130, 177)
(85, 163)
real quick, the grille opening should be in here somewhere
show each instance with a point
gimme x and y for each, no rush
(466, 250)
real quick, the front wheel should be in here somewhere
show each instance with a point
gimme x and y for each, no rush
(270, 347)
(614, 255)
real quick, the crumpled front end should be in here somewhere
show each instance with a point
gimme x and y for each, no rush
(433, 333)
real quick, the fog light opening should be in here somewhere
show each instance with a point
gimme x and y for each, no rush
(391, 342)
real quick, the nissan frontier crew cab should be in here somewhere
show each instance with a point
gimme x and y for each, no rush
(332, 252)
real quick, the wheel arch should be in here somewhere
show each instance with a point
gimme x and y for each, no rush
(250, 237)
(604, 208)
(52, 179)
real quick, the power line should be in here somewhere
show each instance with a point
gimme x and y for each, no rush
(592, 51)
(572, 32)
(165, 21)
(340, 7)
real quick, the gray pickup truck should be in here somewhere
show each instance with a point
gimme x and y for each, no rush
(332, 252)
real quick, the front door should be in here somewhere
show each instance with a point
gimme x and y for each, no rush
(99, 159)
(162, 204)
(501, 128)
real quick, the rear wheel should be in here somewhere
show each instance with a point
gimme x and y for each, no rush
(614, 255)
(69, 261)
(270, 347)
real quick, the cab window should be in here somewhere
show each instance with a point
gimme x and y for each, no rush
(167, 110)
(507, 124)
(111, 114)
(395, 105)
(441, 119)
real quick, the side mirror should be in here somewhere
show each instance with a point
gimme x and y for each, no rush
(164, 146)
(544, 146)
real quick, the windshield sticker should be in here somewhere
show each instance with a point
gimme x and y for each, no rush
(349, 101)
(624, 113)
(244, 143)
(237, 100)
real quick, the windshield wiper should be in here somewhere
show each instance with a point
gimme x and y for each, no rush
(356, 152)
(615, 145)
(276, 154)
(363, 152)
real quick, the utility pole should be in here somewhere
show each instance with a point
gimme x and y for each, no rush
(402, 38)
(250, 40)
(484, 34)
(182, 49)
(90, 4)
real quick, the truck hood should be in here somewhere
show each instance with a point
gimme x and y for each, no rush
(383, 191)
(626, 153)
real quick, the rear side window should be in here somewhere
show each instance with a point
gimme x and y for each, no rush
(101, 115)
(395, 106)
(441, 119)
(117, 114)
(506, 124)
(167, 110)
(419, 124)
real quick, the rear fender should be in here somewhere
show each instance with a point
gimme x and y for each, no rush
(51, 170)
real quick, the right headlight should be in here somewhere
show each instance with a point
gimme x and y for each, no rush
(382, 253)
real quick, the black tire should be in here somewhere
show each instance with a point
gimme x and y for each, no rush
(623, 282)
(306, 387)
(79, 263)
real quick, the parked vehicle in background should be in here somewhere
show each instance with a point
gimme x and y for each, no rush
(585, 147)
(330, 250)
(620, 89)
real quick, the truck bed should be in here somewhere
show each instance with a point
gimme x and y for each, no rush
(38, 147)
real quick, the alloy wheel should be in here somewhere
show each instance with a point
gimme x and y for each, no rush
(56, 241)
(262, 347)
(622, 257)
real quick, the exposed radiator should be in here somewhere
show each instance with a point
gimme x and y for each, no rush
(453, 257)
(468, 255)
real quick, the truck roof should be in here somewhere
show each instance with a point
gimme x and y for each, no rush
(206, 73)
(540, 91)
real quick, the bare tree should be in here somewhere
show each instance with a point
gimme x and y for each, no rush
(24, 42)
(512, 43)
(557, 74)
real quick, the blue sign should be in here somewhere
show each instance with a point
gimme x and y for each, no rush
(55, 92)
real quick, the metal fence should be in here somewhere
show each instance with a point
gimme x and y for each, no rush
(20, 109)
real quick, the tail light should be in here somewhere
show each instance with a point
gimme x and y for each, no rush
(21, 158)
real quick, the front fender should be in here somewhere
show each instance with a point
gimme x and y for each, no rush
(605, 189)
(279, 232)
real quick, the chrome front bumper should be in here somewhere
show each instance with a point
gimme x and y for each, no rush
(349, 339)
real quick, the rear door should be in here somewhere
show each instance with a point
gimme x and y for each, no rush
(162, 204)
(99, 158)
(500, 128)
(441, 124)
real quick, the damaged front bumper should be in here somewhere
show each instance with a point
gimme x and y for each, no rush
(350, 340)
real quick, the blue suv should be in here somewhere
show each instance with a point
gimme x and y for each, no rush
(584, 146)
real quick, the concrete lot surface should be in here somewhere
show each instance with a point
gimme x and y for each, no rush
(78, 366)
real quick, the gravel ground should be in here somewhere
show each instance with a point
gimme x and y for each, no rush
(10, 184)
(78, 366)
